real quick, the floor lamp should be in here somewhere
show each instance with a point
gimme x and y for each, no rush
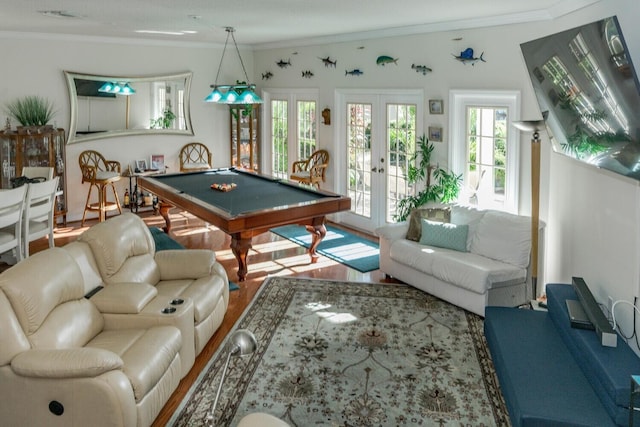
(242, 343)
(534, 126)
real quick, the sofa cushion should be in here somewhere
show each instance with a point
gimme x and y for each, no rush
(540, 380)
(444, 235)
(503, 237)
(468, 215)
(113, 242)
(467, 270)
(432, 214)
(146, 353)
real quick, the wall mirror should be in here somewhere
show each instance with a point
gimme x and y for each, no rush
(156, 105)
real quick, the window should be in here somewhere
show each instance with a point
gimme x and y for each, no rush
(484, 147)
(291, 122)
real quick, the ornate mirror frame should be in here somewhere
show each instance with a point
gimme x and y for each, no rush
(96, 114)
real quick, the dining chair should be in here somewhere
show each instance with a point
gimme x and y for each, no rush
(312, 170)
(195, 156)
(37, 172)
(99, 173)
(38, 218)
(11, 209)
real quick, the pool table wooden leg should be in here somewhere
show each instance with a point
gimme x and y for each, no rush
(164, 211)
(240, 245)
(318, 231)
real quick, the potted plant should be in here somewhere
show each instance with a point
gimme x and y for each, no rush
(440, 185)
(165, 121)
(31, 110)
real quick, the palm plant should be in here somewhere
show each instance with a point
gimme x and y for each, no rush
(444, 188)
(31, 110)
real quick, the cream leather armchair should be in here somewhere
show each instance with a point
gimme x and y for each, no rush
(124, 253)
(60, 365)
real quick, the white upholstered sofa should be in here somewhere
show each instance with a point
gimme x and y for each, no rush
(100, 331)
(491, 266)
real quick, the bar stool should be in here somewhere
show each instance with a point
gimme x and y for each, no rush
(99, 173)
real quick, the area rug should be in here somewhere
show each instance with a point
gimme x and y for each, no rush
(339, 245)
(352, 354)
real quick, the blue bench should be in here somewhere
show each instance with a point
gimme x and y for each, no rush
(551, 374)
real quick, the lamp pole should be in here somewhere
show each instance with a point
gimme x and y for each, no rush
(535, 209)
(534, 126)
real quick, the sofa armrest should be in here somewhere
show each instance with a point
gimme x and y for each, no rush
(185, 263)
(393, 231)
(123, 298)
(65, 363)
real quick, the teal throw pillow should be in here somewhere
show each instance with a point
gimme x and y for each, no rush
(444, 235)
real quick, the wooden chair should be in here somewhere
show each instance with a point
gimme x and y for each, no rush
(195, 156)
(312, 170)
(11, 208)
(99, 173)
(39, 206)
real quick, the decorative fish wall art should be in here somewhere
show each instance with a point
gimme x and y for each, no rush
(307, 74)
(384, 60)
(267, 75)
(421, 69)
(466, 57)
(328, 62)
(284, 64)
(355, 72)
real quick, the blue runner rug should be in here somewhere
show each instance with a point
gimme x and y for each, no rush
(339, 245)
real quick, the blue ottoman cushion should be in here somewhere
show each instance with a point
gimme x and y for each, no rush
(541, 382)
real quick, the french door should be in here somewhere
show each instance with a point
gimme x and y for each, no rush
(379, 131)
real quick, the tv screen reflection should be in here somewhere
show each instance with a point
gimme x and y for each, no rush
(588, 90)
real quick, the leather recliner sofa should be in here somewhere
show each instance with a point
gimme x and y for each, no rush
(61, 365)
(132, 284)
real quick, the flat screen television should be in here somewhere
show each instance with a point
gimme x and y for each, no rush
(588, 91)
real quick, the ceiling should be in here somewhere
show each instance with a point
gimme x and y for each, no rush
(266, 23)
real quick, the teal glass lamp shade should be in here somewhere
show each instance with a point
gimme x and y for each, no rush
(106, 87)
(214, 96)
(127, 90)
(230, 97)
(250, 97)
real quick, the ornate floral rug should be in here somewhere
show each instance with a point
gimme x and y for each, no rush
(353, 354)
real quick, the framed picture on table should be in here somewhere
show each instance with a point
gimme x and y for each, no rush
(157, 162)
(141, 165)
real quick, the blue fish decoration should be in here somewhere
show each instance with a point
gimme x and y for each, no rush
(466, 57)
(383, 60)
(354, 72)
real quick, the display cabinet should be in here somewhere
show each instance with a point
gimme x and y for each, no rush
(35, 146)
(245, 136)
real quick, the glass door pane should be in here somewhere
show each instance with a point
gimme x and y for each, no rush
(279, 138)
(359, 152)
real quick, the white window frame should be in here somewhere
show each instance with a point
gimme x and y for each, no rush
(292, 96)
(459, 100)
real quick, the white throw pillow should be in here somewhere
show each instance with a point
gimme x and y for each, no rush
(467, 215)
(503, 237)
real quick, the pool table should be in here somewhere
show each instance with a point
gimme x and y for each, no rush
(255, 204)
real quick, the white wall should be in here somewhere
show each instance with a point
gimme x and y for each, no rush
(35, 65)
(592, 216)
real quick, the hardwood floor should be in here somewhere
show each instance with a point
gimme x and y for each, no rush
(271, 255)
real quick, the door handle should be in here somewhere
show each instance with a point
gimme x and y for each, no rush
(374, 169)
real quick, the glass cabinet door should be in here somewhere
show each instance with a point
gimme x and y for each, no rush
(245, 136)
